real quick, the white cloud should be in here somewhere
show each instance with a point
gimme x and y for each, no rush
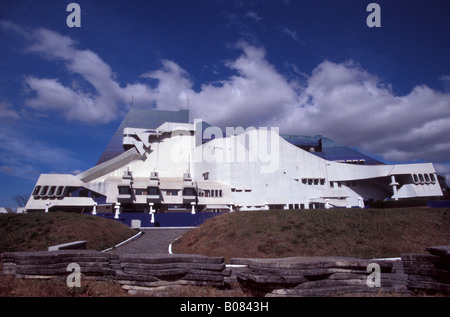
(6, 113)
(247, 98)
(292, 34)
(253, 15)
(172, 88)
(102, 105)
(340, 100)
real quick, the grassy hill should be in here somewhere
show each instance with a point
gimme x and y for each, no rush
(362, 233)
(36, 232)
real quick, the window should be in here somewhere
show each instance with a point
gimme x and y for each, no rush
(152, 190)
(140, 191)
(36, 190)
(172, 192)
(124, 190)
(60, 191)
(189, 192)
(205, 175)
(43, 191)
(433, 178)
(51, 192)
(421, 178)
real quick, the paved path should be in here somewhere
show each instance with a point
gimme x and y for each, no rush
(152, 241)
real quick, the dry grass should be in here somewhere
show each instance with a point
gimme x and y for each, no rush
(361, 233)
(36, 232)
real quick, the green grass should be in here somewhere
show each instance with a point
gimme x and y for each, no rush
(38, 231)
(361, 233)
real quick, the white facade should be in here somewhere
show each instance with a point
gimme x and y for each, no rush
(171, 168)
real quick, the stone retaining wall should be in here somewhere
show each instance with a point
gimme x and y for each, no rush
(136, 273)
(320, 276)
(297, 276)
(155, 274)
(47, 265)
(429, 271)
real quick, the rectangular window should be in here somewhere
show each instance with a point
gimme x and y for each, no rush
(140, 191)
(124, 190)
(189, 192)
(152, 191)
(172, 192)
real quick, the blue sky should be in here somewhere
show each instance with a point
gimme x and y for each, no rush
(308, 67)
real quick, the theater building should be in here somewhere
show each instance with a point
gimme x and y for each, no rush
(158, 161)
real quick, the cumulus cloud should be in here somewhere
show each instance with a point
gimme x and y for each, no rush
(340, 100)
(101, 104)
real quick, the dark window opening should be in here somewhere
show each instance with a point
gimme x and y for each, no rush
(123, 190)
(51, 191)
(152, 190)
(36, 190)
(189, 192)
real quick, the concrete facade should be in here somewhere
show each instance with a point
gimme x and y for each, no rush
(195, 167)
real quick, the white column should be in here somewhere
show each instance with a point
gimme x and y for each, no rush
(117, 207)
(394, 185)
(231, 207)
(327, 204)
(193, 208)
(360, 202)
(47, 204)
(94, 209)
(152, 213)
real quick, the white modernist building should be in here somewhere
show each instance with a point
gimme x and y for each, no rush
(179, 166)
